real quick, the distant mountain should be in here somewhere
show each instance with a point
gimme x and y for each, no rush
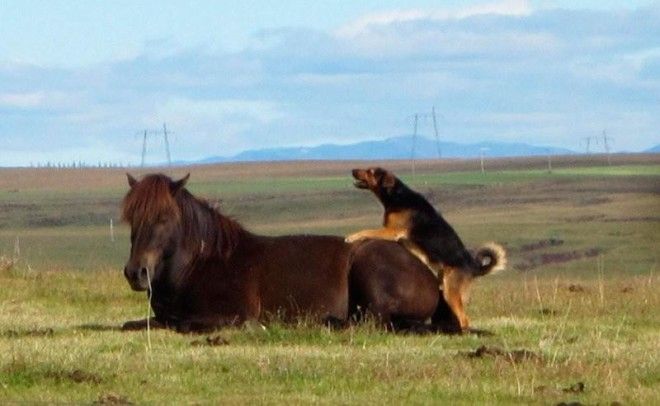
(391, 148)
(654, 150)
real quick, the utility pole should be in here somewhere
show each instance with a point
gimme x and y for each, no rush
(144, 147)
(607, 146)
(587, 140)
(156, 133)
(481, 154)
(549, 161)
(414, 141)
(167, 146)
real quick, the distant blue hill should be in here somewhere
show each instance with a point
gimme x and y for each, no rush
(392, 148)
(654, 150)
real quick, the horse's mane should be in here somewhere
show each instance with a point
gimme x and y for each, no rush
(149, 201)
(155, 199)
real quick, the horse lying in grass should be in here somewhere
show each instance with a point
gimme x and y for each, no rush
(203, 270)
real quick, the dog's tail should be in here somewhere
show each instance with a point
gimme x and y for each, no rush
(491, 258)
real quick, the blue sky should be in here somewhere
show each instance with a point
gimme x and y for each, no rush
(79, 79)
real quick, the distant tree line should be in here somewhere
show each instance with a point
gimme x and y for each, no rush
(79, 165)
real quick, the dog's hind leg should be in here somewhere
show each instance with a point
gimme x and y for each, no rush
(454, 284)
(444, 320)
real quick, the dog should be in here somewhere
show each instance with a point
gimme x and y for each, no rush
(410, 219)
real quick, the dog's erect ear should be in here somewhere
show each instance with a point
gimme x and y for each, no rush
(388, 180)
(177, 185)
(131, 180)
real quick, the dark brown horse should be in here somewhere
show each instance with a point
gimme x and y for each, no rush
(203, 270)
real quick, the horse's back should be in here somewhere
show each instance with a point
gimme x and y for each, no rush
(390, 283)
(320, 274)
(304, 274)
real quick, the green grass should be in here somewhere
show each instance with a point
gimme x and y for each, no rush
(67, 248)
(622, 170)
(512, 176)
(61, 346)
(585, 308)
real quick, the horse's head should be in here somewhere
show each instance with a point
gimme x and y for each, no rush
(150, 208)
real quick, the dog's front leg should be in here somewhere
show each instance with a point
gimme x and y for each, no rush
(380, 233)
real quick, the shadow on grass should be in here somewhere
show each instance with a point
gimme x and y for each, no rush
(22, 333)
(98, 327)
(47, 332)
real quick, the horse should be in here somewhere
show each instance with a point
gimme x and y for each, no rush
(203, 270)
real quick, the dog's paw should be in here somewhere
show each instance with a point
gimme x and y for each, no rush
(353, 238)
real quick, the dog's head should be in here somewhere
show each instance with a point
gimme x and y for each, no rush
(375, 179)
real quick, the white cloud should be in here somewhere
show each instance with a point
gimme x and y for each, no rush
(503, 7)
(217, 110)
(370, 21)
(641, 56)
(22, 100)
(41, 100)
(218, 127)
(509, 73)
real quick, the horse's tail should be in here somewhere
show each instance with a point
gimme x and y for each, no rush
(491, 258)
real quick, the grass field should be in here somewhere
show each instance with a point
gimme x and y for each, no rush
(575, 318)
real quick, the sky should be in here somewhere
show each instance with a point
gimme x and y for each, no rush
(80, 80)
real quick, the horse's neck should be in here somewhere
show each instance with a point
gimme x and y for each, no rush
(231, 233)
(218, 235)
(207, 236)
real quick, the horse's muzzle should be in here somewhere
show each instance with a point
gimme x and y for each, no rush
(138, 278)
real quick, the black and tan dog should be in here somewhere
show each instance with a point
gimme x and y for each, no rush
(412, 220)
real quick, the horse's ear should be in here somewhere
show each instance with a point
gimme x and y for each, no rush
(131, 180)
(176, 186)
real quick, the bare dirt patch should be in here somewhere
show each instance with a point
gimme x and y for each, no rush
(39, 332)
(76, 376)
(534, 261)
(576, 288)
(112, 399)
(516, 356)
(592, 201)
(546, 311)
(540, 244)
(576, 389)
(212, 341)
(6, 264)
(646, 219)
(587, 218)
